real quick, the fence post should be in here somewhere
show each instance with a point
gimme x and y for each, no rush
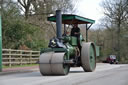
(30, 57)
(21, 60)
(10, 64)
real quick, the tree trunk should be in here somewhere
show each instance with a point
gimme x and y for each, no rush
(118, 40)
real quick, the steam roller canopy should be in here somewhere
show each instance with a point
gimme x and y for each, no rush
(88, 57)
(53, 64)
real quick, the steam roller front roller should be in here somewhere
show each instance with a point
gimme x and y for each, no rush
(88, 57)
(53, 64)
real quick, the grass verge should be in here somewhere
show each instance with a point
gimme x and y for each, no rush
(25, 65)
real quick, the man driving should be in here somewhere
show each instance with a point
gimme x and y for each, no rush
(75, 31)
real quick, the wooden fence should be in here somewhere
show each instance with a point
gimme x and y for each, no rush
(19, 57)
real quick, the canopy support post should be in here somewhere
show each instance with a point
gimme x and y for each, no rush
(86, 33)
(87, 28)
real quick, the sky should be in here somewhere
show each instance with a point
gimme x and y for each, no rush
(90, 9)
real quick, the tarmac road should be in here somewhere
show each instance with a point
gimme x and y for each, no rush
(105, 74)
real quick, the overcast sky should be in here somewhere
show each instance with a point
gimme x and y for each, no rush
(90, 9)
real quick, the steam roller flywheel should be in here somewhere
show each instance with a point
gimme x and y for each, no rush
(88, 57)
(53, 64)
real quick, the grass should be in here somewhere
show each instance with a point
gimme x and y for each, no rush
(25, 65)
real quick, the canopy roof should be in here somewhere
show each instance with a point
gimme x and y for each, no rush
(72, 19)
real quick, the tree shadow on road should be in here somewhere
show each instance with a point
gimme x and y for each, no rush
(76, 72)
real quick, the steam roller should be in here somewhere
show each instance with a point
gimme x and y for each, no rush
(65, 51)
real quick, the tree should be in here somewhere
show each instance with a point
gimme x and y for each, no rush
(116, 13)
(44, 7)
(32, 30)
(25, 6)
(17, 32)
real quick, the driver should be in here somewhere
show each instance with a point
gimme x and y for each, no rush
(75, 31)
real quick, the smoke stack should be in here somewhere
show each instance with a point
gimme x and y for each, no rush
(58, 23)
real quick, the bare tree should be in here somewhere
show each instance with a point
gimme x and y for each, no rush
(26, 6)
(115, 10)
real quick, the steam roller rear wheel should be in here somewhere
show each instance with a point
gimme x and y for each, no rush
(53, 64)
(88, 57)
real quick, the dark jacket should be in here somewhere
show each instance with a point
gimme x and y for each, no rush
(75, 30)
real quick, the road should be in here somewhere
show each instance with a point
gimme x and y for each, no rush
(105, 74)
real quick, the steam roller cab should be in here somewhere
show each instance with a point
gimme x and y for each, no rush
(67, 51)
